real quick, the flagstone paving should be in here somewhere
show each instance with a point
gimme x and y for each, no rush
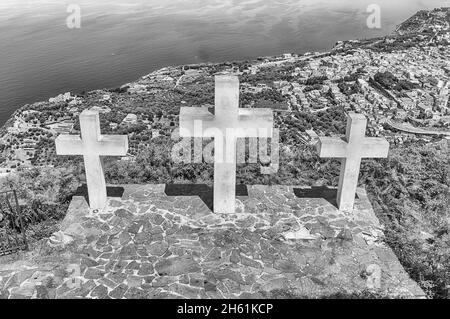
(282, 241)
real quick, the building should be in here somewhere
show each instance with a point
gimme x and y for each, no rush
(425, 109)
(407, 103)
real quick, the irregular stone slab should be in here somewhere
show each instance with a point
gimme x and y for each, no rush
(174, 266)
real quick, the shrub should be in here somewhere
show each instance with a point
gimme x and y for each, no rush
(44, 195)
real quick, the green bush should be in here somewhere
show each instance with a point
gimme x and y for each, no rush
(44, 195)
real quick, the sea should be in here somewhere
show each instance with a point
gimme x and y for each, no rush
(48, 47)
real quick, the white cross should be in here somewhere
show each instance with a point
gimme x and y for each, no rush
(92, 145)
(227, 124)
(351, 150)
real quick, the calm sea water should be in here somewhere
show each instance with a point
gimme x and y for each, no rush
(121, 40)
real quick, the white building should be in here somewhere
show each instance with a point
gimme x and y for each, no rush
(130, 119)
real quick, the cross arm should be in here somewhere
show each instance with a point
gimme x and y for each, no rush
(69, 145)
(113, 145)
(331, 147)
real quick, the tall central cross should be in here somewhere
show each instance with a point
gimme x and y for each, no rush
(351, 150)
(92, 145)
(228, 123)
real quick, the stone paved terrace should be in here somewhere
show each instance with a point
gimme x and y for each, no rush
(162, 241)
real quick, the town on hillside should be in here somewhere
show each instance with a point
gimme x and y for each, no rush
(400, 82)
